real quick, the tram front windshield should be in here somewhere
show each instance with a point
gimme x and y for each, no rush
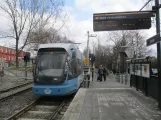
(51, 64)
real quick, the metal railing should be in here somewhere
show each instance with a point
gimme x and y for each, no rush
(123, 78)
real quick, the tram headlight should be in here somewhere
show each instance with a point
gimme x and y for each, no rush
(55, 79)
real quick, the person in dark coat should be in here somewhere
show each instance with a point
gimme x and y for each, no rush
(100, 73)
(104, 73)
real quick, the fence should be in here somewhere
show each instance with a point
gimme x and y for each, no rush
(18, 74)
(123, 78)
(149, 86)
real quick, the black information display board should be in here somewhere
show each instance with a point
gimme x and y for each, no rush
(122, 21)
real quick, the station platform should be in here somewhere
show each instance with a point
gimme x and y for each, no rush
(111, 100)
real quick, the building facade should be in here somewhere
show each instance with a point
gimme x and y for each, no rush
(9, 54)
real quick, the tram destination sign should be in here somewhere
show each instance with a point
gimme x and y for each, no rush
(153, 40)
(122, 21)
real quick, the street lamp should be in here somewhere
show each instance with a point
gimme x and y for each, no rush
(88, 44)
(88, 73)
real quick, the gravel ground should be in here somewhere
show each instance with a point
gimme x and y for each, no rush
(10, 80)
(10, 106)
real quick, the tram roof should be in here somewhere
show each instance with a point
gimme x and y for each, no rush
(58, 45)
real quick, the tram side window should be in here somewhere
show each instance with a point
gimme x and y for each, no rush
(70, 71)
(82, 66)
(74, 67)
(79, 66)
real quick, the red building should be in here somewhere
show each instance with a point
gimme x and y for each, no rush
(9, 54)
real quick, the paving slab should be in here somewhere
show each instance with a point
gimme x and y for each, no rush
(111, 101)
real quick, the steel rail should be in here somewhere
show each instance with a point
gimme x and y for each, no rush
(18, 86)
(58, 109)
(19, 92)
(27, 108)
(22, 111)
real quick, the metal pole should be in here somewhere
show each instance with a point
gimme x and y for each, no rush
(88, 47)
(158, 52)
(87, 58)
(25, 70)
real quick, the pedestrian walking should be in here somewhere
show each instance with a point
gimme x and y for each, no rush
(100, 73)
(104, 73)
(92, 72)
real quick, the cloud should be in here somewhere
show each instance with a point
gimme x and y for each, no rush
(96, 6)
(5, 25)
(78, 19)
(78, 27)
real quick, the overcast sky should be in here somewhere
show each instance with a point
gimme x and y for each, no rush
(79, 19)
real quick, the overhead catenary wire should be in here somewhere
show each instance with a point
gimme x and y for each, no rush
(61, 17)
(145, 5)
(68, 20)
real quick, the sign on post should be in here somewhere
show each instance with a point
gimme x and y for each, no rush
(86, 61)
(129, 52)
(122, 21)
(153, 40)
(132, 69)
(146, 70)
(138, 69)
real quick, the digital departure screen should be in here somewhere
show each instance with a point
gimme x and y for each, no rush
(122, 21)
(128, 24)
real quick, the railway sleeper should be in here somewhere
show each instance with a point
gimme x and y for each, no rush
(43, 108)
(59, 117)
(37, 115)
(62, 113)
(29, 119)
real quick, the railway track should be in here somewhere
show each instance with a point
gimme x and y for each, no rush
(10, 92)
(62, 112)
(15, 87)
(42, 109)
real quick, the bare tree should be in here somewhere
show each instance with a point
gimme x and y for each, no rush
(118, 38)
(43, 36)
(25, 16)
(108, 55)
(133, 39)
(101, 53)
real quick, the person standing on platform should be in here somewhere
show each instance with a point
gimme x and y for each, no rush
(92, 72)
(104, 73)
(100, 73)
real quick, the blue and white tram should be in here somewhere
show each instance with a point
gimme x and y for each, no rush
(58, 70)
